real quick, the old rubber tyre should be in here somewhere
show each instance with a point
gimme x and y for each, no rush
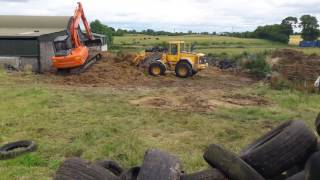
(130, 174)
(210, 174)
(299, 176)
(158, 165)
(282, 148)
(157, 69)
(112, 166)
(14, 149)
(312, 167)
(317, 123)
(77, 169)
(183, 69)
(230, 164)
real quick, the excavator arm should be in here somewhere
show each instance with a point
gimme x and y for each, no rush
(74, 28)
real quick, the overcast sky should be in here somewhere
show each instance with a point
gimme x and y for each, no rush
(172, 15)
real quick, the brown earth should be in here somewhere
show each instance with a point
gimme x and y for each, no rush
(120, 72)
(204, 92)
(299, 69)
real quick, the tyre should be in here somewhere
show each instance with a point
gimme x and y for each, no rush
(157, 69)
(299, 176)
(281, 149)
(312, 167)
(231, 165)
(77, 169)
(183, 69)
(15, 149)
(130, 174)
(210, 174)
(158, 165)
(112, 166)
(317, 123)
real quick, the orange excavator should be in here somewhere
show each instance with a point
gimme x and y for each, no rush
(76, 51)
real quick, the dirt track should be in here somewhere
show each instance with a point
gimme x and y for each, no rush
(204, 92)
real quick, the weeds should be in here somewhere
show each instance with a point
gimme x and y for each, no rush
(257, 64)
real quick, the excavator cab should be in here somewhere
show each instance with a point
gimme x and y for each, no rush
(62, 45)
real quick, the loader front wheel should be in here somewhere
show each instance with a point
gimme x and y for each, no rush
(157, 69)
(183, 70)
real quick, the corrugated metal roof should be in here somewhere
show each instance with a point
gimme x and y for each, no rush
(32, 26)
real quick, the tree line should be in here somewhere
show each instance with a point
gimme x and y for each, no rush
(282, 32)
(276, 32)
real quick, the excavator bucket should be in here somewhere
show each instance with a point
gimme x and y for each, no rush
(93, 43)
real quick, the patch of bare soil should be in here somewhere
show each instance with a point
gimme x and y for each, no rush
(120, 72)
(200, 103)
(204, 92)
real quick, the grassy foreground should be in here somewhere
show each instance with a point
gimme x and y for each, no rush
(99, 123)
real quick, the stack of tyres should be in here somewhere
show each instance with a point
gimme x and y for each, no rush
(287, 146)
(288, 152)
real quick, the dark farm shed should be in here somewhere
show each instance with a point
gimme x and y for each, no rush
(26, 41)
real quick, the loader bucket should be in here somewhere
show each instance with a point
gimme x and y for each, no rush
(139, 57)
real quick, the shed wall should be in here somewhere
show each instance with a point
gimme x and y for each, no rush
(46, 52)
(20, 63)
(18, 47)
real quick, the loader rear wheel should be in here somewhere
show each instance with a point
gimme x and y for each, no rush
(184, 70)
(157, 69)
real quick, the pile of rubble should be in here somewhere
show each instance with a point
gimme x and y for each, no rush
(295, 67)
(288, 152)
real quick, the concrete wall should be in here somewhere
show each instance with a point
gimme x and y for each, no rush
(46, 52)
(19, 63)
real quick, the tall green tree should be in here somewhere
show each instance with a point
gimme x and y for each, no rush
(289, 24)
(310, 31)
(98, 27)
(276, 32)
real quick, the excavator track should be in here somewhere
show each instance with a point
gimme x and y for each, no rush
(93, 58)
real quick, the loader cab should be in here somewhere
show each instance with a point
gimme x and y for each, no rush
(176, 48)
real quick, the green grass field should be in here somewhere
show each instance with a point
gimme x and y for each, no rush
(99, 123)
(208, 44)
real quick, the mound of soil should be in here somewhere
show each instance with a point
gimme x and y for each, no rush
(110, 70)
(296, 67)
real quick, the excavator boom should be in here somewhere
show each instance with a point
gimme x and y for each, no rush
(74, 28)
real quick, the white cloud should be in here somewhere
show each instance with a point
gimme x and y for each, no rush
(197, 15)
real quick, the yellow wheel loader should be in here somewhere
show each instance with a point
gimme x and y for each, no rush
(178, 57)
